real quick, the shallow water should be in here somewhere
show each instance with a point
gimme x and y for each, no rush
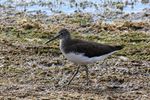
(51, 7)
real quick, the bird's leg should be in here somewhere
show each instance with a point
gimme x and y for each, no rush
(104, 62)
(87, 74)
(75, 73)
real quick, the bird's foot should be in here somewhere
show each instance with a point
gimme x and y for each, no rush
(75, 73)
(87, 83)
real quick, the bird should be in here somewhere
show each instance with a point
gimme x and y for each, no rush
(82, 52)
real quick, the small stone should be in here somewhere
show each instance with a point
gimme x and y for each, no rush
(124, 58)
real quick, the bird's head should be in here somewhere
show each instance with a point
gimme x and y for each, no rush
(62, 34)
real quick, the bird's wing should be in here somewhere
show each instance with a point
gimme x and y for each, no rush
(90, 49)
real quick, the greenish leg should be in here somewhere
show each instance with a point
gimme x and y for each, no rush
(75, 73)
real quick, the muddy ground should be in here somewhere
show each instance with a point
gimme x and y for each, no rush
(29, 69)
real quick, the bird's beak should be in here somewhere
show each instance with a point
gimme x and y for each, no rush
(57, 36)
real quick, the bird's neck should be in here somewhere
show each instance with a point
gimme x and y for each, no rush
(66, 39)
(63, 43)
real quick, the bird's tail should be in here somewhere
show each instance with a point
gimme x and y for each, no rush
(119, 47)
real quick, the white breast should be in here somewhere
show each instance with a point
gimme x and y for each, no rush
(81, 59)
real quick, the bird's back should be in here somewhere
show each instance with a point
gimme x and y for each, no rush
(89, 49)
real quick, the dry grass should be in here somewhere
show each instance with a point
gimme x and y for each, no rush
(31, 70)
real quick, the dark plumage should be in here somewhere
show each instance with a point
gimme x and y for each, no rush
(82, 52)
(89, 49)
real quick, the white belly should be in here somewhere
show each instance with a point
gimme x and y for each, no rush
(80, 59)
